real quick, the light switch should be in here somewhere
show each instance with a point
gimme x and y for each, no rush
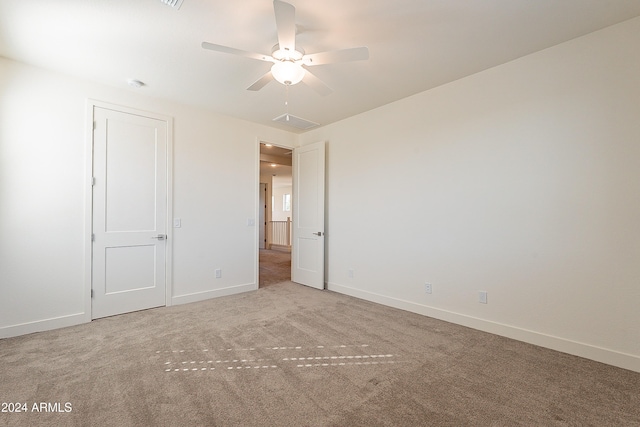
(177, 223)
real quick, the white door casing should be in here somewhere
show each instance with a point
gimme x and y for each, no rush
(307, 260)
(262, 221)
(130, 212)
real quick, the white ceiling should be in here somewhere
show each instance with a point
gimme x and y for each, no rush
(414, 45)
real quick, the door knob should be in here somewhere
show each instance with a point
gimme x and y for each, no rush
(319, 233)
(160, 237)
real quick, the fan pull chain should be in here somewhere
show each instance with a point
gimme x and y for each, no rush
(286, 101)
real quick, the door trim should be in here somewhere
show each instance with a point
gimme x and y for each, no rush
(91, 104)
(268, 217)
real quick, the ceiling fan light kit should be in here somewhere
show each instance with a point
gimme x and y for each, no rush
(287, 72)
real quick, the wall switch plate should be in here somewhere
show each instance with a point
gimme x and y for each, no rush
(251, 222)
(482, 297)
(427, 288)
(218, 273)
(177, 223)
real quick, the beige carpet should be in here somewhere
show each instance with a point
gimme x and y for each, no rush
(275, 267)
(287, 355)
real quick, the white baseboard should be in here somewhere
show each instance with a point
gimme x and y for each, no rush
(599, 354)
(79, 318)
(205, 295)
(44, 325)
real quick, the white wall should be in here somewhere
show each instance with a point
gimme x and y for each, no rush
(523, 181)
(42, 197)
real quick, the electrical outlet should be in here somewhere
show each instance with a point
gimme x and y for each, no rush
(482, 297)
(427, 288)
(350, 273)
(218, 273)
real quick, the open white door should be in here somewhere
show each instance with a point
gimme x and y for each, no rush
(129, 212)
(307, 256)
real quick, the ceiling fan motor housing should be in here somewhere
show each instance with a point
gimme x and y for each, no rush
(287, 54)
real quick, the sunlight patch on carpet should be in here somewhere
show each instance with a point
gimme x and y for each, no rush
(235, 359)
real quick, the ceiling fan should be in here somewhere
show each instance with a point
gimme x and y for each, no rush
(290, 62)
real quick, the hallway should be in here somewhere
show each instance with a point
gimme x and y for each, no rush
(275, 267)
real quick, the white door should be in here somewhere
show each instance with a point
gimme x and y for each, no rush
(129, 212)
(307, 258)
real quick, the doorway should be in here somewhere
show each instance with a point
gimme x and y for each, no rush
(274, 258)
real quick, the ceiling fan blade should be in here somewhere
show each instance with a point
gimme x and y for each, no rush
(233, 51)
(316, 84)
(261, 82)
(343, 55)
(286, 25)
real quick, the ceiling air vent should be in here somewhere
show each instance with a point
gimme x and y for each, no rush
(173, 3)
(296, 122)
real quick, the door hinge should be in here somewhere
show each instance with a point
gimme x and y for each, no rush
(93, 237)
(91, 293)
(93, 181)
(95, 125)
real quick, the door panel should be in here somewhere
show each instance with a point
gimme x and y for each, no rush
(129, 268)
(308, 215)
(308, 195)
(131, 176)
(129, 212)
(308, 248)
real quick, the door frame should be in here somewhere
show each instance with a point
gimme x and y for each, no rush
(263, 237)
(257, 202)
(91, 104)
(293, 206)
